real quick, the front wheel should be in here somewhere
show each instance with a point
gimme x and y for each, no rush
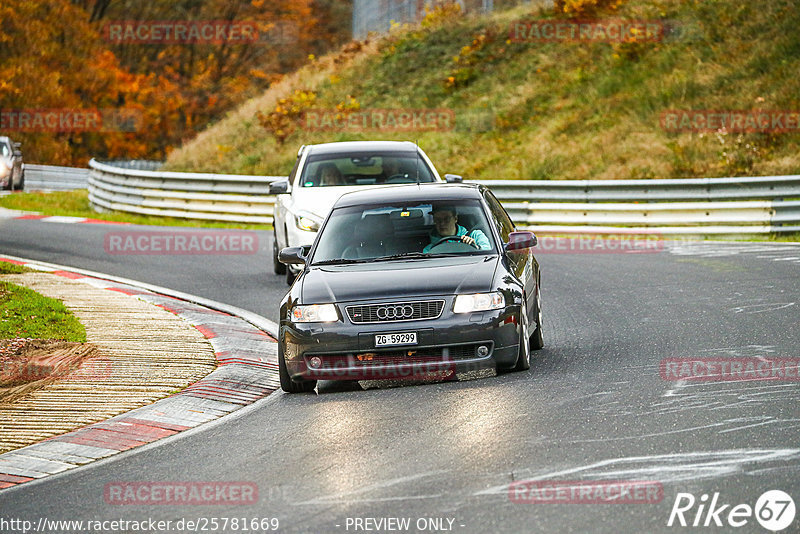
(287, 384)
(277, 267)
(537, 341)
(290, 276)
(524, 354)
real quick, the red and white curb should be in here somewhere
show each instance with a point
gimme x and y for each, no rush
(247, 370)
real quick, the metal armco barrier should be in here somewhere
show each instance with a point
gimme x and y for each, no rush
(218, 197)
(678, 207)
(52, 178)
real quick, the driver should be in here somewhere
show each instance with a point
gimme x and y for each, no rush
(445, 223)
(391, 167)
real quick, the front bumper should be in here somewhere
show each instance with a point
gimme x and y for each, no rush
(453, 343)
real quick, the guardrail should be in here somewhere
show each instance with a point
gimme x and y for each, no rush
(52, 178)
(687, 206)
(218, 197)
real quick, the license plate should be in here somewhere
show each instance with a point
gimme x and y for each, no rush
(402, 338)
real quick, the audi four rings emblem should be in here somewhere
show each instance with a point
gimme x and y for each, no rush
(395, 312)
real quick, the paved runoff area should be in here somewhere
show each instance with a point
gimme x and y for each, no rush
(201, 363)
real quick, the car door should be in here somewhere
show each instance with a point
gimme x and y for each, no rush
(522, 262)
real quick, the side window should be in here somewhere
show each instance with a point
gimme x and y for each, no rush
(501, 218)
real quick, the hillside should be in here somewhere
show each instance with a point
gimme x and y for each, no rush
(549, 110)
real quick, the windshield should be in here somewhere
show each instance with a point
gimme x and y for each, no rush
(392, 231)
(364, 169)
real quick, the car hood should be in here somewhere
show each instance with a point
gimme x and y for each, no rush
(399, 279)
(320, 200)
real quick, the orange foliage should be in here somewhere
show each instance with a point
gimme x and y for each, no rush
(585, 7)
(56, 54)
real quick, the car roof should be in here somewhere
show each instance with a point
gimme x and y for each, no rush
(410, 193)
(362, 146)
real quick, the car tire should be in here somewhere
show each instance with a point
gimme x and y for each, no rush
(287, 384)
(524, 354)
(537, 340)
(277, 267)
(22, 182)
(290, 276)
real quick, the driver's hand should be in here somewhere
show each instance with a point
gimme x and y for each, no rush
(468, 240)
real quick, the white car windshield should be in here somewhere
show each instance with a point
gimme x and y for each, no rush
(389, 231)
(368, 169)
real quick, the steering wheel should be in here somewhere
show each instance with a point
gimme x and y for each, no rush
(453, 238)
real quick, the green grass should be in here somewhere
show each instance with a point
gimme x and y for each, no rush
(12, 268)
(560, 110)
(76, 204)
(26, 313)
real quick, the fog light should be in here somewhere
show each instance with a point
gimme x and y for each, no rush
(315, 362)
(483, 351)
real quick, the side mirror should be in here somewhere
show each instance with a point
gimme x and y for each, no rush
(17, 145)
(293, 255)
(520, 241)
(453, 178)
(279, 187)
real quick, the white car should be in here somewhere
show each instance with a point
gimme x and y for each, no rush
(325, 172)
(12, 169)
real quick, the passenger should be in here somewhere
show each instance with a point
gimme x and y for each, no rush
(329, 175)
(445, 222)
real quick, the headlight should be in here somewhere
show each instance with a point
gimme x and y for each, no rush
(478, 302)
(307, 221)
(317, 313)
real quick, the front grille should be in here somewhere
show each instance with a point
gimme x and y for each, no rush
(392, 312)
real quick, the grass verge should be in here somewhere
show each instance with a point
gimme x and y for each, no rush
(549, 110)
(25, 313)
(12, 268)
(76, 204)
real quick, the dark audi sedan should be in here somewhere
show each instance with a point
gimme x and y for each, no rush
(410, 282)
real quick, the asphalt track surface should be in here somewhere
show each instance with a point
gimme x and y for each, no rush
(594, 406)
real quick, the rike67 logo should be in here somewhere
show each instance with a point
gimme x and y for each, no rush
(774, 510)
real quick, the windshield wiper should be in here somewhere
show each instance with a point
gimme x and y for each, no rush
(342, 261)
(403, 256)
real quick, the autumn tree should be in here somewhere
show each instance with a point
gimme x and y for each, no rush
(58, 54)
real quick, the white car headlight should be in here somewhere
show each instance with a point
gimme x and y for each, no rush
(307, 221)
(315, 313)
(478, 302)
